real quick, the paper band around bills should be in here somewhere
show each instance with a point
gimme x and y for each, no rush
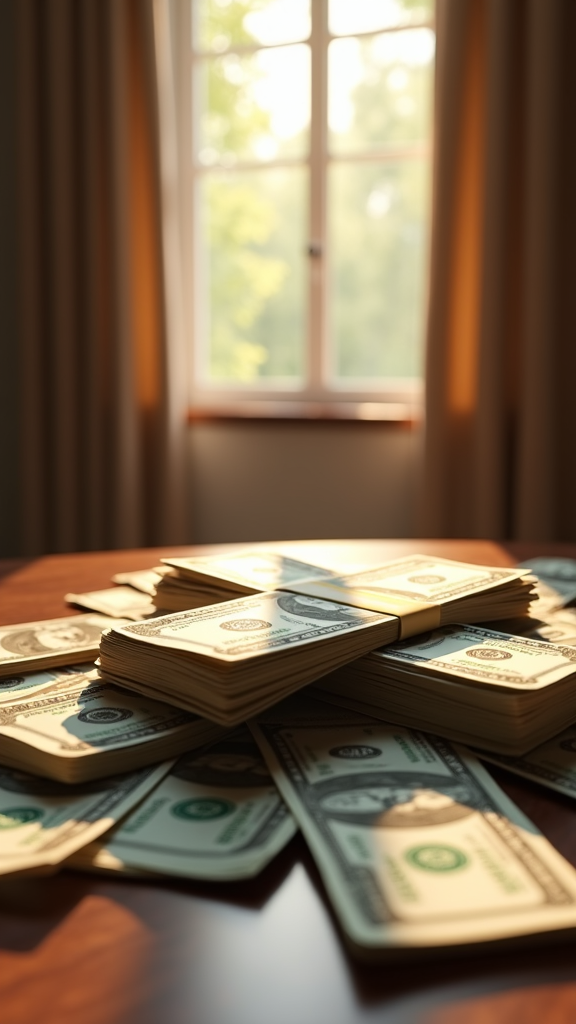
(415, 616)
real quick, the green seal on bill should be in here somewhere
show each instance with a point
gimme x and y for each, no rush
(436, 858)
(12, 817)
(203, 809)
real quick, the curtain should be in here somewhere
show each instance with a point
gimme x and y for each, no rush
(101, 384)
(501, 347)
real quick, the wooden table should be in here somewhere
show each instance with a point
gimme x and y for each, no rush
(79, 948)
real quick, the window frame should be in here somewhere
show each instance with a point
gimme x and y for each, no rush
(396, 399)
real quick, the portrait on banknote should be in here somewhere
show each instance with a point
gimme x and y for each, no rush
(49, 637)
(232, 762)
(317, 608)
(389, 800)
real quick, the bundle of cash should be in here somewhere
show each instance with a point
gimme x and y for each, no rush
(194, 582)
(217, 815)
(79, 729)
(501, 692)
(426, 592)
(419, 849)
(428, 587)
(230, 660)
(43, 822)
(51, 642)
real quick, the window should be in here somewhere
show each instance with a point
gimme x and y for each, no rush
(305, 130)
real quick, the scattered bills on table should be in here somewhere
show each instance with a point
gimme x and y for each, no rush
(27, 646)
(418, 847)
(553, 764)
(43, 822)
(145, 580)
(474, 685)
(82, 729)
(217, 815)
(117, 602)
(228, 661)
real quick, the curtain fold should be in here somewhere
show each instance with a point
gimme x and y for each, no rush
(102, 427)
(501, 348)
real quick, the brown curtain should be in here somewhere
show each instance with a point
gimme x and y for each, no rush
(102, 405)
(501, 357)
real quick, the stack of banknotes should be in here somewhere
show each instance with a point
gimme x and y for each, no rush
(194, 582)
(419, 849)
(231, 660)
(491, 689)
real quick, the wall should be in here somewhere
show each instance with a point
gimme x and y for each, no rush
(288, 481)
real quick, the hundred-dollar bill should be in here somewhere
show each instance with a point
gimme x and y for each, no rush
(82, 729)
(117, 602)
(43, 822)
(228, 661)
(475, 685)
(16, 688)
(196, 581)
(28, 646)
(418, 847)
(144, 580)
(552, 764)
(217, 815)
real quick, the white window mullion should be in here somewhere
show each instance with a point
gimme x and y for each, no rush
(317, 212)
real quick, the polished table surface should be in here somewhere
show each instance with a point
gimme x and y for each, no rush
(101, 950)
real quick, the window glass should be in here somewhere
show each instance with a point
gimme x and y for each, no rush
(377, 276)
(379, 90)
(246, 110)
(220, 24)
(252, 260)
(307, 146)
(347, 17)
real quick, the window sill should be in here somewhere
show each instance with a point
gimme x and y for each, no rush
(405, 413)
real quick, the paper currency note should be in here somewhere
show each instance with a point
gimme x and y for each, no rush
(84, 725)
(117, 602)
(482, 656)
(15, 688)
(144, 580)
(251, 626)
(34, 645)
(43, 822)
(217, 815)
(419, 578)
(416, 844)
(552, 764)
